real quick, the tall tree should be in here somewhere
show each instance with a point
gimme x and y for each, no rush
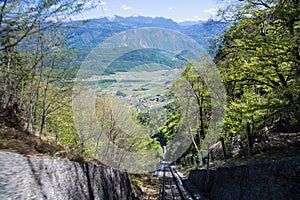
(259, 60)
(193, 97)
(35, 62)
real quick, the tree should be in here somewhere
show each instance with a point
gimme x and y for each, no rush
(168, 130)
(19, 19)
(199, 91)
(193, 96)
(37, 65)
(121, 136)
(32, 62)
(259, 60)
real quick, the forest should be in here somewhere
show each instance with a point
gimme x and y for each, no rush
(257, 56)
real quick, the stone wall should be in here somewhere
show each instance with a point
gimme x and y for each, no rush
(266, 180)
(31, 177)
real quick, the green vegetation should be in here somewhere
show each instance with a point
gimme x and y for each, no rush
(36, 75)
(167, 132)
(258, 58)
(133, 59)
(259, 61)
(36, 68)
(116, 121)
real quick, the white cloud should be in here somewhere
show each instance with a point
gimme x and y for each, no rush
(212, 11)
(124, 7)
(75, 18)
(102, 3)
(32, 6)
(53, 7)
(170, 8)
(88, 4)
(62, 19)
(135, 15)
(195, 19)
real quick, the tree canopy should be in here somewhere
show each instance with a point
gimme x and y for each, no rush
(259, 62)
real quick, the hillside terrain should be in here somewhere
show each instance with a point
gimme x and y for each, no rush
(15, 137)
(132, 92)
(271, 146)
(95, 31)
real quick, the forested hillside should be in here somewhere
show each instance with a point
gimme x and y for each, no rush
(193, 94)
(259, 61)
(36, 67)
(257, 57)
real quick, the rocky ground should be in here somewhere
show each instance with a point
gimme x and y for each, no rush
(146, 186)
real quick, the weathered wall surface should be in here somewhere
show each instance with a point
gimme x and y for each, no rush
(268, 180)
(30, 177)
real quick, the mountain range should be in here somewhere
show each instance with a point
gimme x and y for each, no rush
(92, 32)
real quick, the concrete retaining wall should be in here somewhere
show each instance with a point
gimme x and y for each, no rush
(267, 180)
(31, 177)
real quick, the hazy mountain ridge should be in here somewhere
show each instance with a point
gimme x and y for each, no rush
(95, 31)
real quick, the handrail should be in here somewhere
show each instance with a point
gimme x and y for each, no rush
(177, 184)
(163, 185)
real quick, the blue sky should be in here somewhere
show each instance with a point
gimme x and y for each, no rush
(178, 10)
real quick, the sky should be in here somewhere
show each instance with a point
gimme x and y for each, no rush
(177, 10)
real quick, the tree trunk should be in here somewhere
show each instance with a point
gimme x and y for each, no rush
(30, 109)
(223, 147)
(201, 118)
(44, 106)
(249, 138)
(6, 85)
(207, 171)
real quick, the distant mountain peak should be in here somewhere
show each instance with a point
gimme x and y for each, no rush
(110, 17)
(97, 30)
(141, 18)
(136, 15)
